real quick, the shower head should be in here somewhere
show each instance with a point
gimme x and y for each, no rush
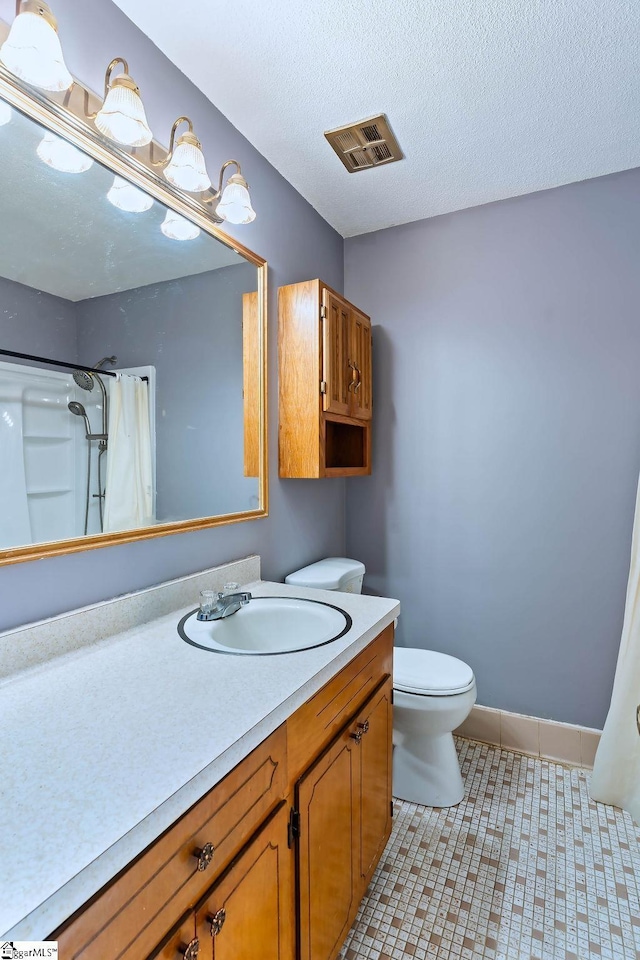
(101, 363)
(78, 410)
(83, 380)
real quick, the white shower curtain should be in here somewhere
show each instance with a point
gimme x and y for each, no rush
(616, 771)
(129, 480)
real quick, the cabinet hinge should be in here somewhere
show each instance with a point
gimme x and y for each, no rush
(391, 807)
(293, 831)
(323, 386)
(323, 313)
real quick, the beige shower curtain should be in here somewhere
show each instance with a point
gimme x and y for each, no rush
(128, 501)
(616, 771)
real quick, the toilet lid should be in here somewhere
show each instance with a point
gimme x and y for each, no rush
(429, 673)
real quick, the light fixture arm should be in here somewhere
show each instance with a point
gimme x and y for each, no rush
(212, 197)
(107, 77)
(172, 140)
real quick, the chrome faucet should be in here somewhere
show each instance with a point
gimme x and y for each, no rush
(219, 606)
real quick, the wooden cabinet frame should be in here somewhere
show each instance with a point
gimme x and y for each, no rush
(325, 388)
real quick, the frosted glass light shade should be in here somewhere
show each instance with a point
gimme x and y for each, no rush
(32, 52)
(235, 202)
(176, 227)
(63, 156)
(121, 117)
(186, 169)
(127, 197)
(5, 113)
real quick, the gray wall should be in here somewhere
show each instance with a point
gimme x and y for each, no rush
(35, 322)
(191, 331)
(306, 518)
(507, 437)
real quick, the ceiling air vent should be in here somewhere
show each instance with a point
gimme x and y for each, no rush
(369, 143)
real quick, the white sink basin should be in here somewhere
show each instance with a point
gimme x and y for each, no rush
(268, 625)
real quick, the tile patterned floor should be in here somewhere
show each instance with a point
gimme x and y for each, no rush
(527, 866)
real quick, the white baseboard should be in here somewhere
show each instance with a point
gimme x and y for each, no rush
(548, 739)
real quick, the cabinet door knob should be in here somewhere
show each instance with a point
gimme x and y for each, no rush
(204, 855)
(216, 922)
(364, 726)
(191, 951)
(357, 736)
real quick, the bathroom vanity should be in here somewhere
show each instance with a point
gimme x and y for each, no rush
(262, 843)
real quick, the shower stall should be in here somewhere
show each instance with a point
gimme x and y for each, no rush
(53, 449)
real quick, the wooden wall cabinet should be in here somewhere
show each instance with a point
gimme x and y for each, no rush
(273, 862)
(325, 389)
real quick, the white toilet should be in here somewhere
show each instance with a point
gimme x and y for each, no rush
(433, 694)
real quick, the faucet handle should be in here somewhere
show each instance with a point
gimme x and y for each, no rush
(208, 600)
(230, 588)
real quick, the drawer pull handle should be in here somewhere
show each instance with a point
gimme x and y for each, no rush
(191, 951)
(204, 855)
(216, 922)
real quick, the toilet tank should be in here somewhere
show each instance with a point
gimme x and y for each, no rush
(333, 573)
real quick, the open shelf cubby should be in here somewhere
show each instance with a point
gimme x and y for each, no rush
(346, 445)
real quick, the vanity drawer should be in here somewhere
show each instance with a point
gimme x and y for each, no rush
(128, 917)
(315, 724)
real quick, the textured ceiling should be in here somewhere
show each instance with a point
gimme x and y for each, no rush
(488, 98)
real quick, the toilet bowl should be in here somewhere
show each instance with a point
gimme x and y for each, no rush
(433, 694)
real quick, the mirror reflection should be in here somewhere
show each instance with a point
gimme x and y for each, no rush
(145, 418)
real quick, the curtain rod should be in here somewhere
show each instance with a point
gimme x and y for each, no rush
(61, 363)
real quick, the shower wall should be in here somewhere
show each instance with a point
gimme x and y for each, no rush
(44, 457)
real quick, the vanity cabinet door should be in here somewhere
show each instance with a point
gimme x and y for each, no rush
(250, 911)
(328, 802)
(375, 722)
(344, 807)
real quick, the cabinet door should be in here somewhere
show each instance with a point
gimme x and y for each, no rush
(375, 722)
(335, 354)
(328, 801)
(360, 366)
(250, 911)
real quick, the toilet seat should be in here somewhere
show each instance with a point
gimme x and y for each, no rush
(430, 674)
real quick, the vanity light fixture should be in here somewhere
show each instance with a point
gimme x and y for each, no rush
(5, 113)
(32, 51)
(121, 116)
(127, 197)
(62, 155)
(184, 165)
(234, 202)
(176, 227)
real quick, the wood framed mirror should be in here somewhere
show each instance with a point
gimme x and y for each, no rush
(132, 347)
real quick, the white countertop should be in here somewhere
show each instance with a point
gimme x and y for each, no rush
(104, 748)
